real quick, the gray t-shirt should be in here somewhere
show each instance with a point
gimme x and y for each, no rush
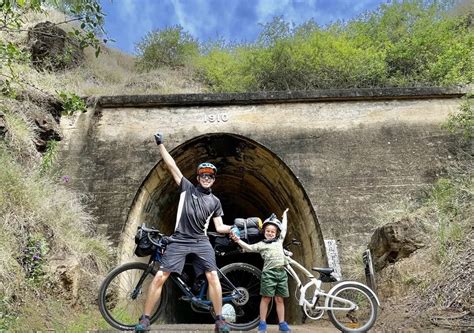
(195, 209)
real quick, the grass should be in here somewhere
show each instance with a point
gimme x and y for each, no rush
(43, 221)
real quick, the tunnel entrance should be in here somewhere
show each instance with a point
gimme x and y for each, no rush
(251, 181)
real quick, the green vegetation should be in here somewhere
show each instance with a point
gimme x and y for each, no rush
(44, 225)
(41, 220)
(170, 47)
(71, 103)
(463, 121)
(406, 43)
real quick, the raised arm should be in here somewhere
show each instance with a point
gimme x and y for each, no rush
(169, 161)
(284, 224)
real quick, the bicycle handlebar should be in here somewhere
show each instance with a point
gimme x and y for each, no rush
(158, 241)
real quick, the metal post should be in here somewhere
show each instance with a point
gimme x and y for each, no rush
(369, 270)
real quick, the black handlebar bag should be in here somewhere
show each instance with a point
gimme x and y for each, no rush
(144, 247)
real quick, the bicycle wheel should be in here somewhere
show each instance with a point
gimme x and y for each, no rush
(360, 319)
(246, 278)
(121, 299)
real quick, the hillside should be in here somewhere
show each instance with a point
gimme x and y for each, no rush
(52, 258)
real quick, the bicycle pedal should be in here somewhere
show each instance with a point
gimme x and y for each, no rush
(198, 302)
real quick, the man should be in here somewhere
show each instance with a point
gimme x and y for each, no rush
(197, 205)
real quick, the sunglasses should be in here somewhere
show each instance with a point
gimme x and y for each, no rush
(207, 176)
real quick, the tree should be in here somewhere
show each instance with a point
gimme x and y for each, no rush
(170, 47)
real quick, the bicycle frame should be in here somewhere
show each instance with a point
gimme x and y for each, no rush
(199, 299)
(313, 281)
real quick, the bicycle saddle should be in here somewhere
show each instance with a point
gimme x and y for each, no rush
(326, 271)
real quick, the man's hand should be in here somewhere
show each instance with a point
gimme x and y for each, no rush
(159, 138)
(235, 233)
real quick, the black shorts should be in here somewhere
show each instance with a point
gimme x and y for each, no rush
(175, 256)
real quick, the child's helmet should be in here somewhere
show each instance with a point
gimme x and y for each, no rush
(272, 220)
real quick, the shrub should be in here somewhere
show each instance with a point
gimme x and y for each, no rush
(408, 43)
(463, 121)
(170, 47)
(71, 103)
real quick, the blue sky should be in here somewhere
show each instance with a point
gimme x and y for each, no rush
(128, 21)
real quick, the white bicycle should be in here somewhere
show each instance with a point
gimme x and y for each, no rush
(351, 305)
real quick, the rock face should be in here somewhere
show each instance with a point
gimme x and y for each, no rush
(2, 125)
(52, 49)
(396, 240)
(45, 112)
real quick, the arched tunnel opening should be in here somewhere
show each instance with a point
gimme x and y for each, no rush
(251, 181)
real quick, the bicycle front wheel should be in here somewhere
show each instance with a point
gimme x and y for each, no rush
(246, 278)
(122, 295)
(359, 319)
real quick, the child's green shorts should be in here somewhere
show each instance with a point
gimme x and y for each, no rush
(274, 283)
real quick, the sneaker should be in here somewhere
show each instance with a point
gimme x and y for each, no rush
(221, 326)
(143, 325)
(283, 327)
(262, 326)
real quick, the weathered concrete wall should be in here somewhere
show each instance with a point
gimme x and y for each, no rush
(352, 151)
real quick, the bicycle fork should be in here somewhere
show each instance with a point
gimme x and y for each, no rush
(138, 287)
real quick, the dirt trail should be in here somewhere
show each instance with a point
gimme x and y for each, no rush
(320, 327)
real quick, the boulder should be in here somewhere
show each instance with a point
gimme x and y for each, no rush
(52, 49)
(396, 240)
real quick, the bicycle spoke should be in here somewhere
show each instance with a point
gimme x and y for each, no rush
(362, 317)
(246, 279)
(121, 302)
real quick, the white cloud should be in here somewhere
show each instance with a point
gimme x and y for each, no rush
(204, 19)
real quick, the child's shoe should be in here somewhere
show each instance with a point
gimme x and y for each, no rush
(283, 327)
(262, 326)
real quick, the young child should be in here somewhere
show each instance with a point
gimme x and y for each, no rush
(274, 281)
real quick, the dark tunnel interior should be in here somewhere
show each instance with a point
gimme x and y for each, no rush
(251, 181)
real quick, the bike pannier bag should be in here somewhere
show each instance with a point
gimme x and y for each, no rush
(143, 247)
(249, 229)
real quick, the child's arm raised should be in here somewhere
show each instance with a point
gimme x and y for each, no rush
(284, 224)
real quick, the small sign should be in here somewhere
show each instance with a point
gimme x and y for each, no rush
(216, 118)
(333, 257)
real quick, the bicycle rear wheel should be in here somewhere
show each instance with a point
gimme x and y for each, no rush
(246, 278)
(360, 319)
(122, 298)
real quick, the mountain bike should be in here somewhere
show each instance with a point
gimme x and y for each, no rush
(351, 305)
(122, 294)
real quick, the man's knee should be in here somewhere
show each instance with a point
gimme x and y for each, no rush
(159, 279)
(213, 278)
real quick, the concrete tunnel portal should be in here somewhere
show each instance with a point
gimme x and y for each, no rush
(251, 181)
